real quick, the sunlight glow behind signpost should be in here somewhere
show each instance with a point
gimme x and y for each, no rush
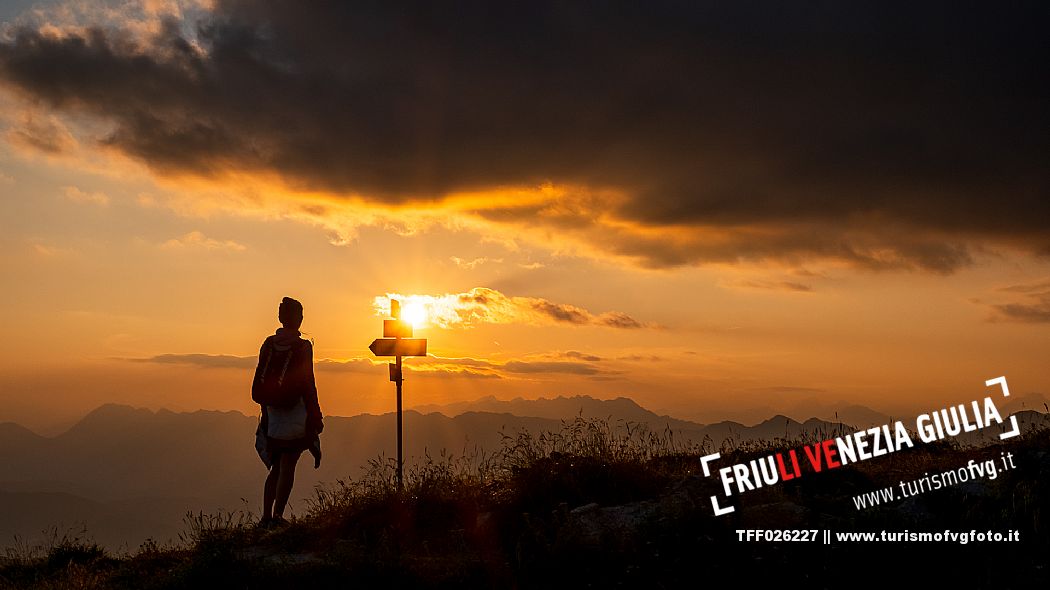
(414, 314)
(397, 342)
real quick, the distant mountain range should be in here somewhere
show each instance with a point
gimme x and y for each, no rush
(561, 408)
(129, 474)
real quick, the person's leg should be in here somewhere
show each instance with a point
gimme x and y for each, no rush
(270, 488)
(285, 479)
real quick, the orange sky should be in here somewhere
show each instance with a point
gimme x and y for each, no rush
(129, 282)
(98, 286)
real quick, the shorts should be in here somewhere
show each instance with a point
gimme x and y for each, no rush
(277, 446)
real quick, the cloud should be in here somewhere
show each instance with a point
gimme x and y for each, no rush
(559, 312)
(459, 361)
(482, 305)
(42, 133)
(643, 358)
(197, 240)
(575, 354)
(430, 366)
(1031, 313)
(551, 367)
(52, 251)
(207, 361)
(78, 196)
(471, 264)
(1036, 287)
(530, 366)
(792, 286)
(464, 367)
(451, 372)
(790, 389)
(1024, 303)
(524, 366)
(354, 365)
(1032, 306)
(617, 320)
(680, 133)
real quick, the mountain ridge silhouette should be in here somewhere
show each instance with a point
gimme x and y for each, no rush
(132, 473)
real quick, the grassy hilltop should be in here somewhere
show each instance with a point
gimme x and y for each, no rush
(598, 506)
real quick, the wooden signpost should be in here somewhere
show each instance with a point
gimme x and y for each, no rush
(397, 342)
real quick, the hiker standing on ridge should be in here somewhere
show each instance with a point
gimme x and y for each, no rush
(291, 417)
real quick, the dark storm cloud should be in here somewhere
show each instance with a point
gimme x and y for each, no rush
(886, 135)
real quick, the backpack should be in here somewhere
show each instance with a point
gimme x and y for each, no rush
(275, 384)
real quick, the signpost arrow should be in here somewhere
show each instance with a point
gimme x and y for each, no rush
(399, 347)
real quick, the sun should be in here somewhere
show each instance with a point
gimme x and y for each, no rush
(415, 314)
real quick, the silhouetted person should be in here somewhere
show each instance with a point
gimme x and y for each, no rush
(291, 417)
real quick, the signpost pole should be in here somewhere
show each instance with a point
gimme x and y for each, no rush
(400, 460)
(395, 312)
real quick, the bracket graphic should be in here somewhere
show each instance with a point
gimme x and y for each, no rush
(1016, 428)
(719, 511)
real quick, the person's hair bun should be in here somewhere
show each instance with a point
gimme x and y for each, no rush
(290, 309)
